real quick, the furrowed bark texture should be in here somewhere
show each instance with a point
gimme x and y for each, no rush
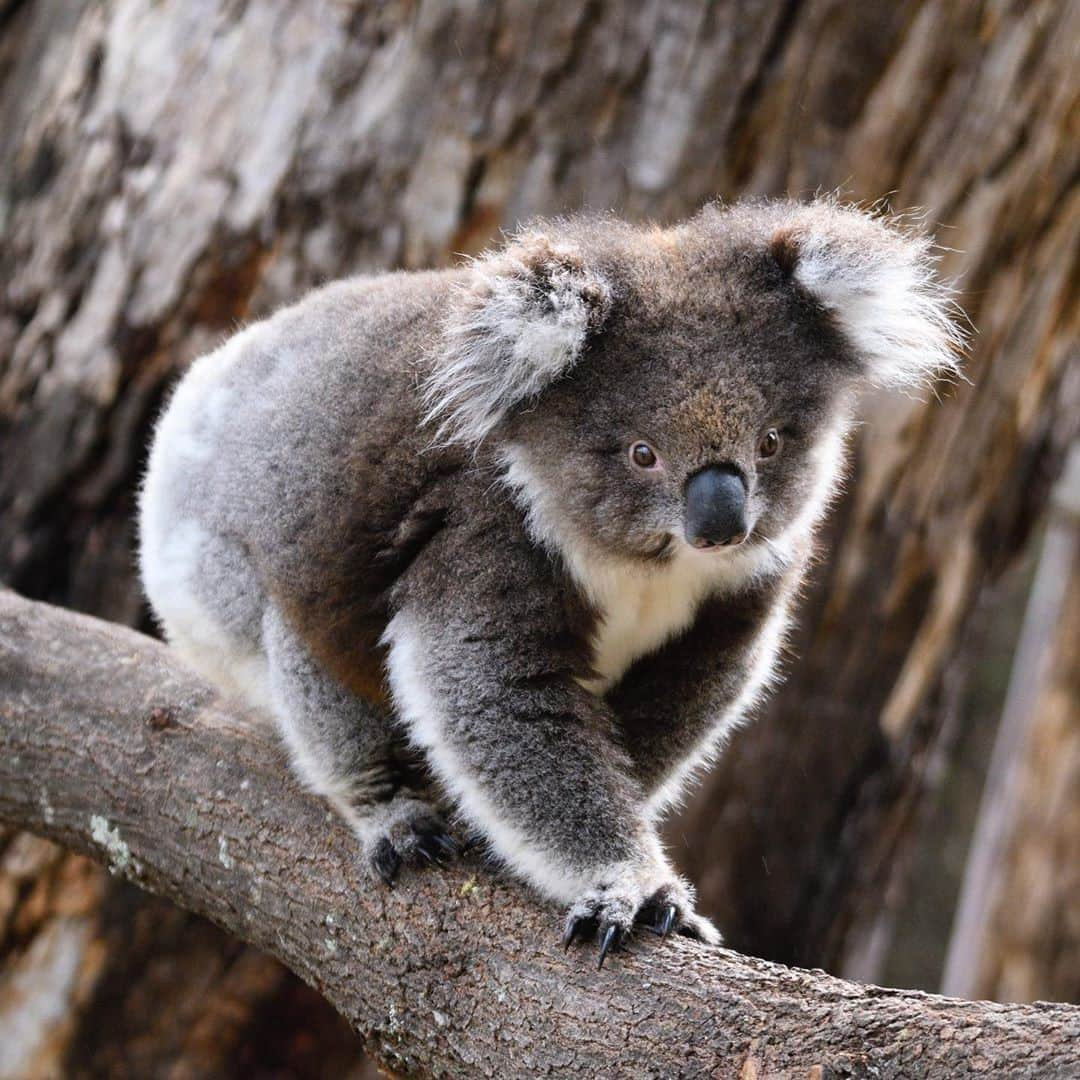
(1016, 936)
(109, 747)
(169, 169)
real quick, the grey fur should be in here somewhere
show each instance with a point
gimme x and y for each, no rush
(424, 480)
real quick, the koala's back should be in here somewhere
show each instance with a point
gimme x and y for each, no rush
(271, 478)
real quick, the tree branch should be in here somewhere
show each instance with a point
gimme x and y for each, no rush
(110, 747)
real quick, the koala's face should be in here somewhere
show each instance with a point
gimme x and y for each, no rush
(687, 389)
(703, 414)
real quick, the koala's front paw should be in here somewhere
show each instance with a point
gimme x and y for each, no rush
(629, 897)
(404, 830)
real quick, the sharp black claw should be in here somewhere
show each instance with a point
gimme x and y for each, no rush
(432, 842)
(446, 842)
(428, 850)
(666, 920)
(611, 937)
(386, 861)
(574, 928)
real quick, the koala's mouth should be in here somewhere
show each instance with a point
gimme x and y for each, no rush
(729, 547)
(669, 544)
(718, 551)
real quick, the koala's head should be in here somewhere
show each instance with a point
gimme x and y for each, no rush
(660, 390)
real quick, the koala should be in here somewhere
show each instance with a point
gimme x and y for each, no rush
(521, 538)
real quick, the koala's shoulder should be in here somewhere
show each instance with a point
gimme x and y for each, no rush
(362, 312)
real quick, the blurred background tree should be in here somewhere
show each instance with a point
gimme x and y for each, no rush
(168, 170)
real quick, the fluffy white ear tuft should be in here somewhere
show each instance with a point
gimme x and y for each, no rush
(520, 323)
(878, 282)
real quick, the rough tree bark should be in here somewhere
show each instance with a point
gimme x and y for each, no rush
(1015, 937)
(171, 168)
(108, 746)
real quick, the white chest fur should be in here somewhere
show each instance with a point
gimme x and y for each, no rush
(642, 606)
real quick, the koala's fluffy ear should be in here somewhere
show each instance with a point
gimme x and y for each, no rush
(877, 281)
(520, 323)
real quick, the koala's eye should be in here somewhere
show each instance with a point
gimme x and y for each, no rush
(770, 443)
(643, 455)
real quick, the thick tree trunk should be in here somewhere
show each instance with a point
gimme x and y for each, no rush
(1015, 936)
(110, 747)
(172, 168)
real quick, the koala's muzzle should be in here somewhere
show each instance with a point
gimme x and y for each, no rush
(715, 508)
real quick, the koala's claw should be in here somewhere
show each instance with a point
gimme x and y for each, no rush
(665, 920)
(612, 936)
(578, 926)
(386, 861)
(433, 844)
(404, 830)
(612, 913)
(666, 912)
(658, 916)
(446, 843)
(427, 854)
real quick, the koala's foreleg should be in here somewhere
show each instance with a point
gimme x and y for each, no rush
(676, 706)
(346, 750)
(529, 756)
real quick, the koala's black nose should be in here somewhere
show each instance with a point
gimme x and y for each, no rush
(715, 507)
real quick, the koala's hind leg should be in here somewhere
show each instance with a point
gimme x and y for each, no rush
(346, 750)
